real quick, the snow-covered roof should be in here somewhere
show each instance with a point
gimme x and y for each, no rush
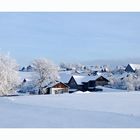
(80, 79)
(64, 77)
(105, 75)
(53, 84)
(135, 66)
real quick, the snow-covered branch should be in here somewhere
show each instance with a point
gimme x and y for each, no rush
(46, 72)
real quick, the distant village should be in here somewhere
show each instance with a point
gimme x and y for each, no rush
(78, 77)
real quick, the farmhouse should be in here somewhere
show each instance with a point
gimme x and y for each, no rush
(86, 83)
(57, 88)
(132, 67)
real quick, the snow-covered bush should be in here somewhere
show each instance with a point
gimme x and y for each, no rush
(9, 78)
(46, 72)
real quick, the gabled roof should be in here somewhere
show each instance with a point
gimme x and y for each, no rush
(53, 84)
(135, 66)
(81, 79)
(65, 77)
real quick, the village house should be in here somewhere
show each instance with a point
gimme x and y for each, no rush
(101, 81)
(86, 83)
(56, 88)
(75, 83)
(132, 67)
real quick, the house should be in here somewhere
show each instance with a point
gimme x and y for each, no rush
(56, 88)
(132, 67)
(29, 68)
(86, 83)
(101, 81)
(95, 81)
(75, 83)
(23, 69)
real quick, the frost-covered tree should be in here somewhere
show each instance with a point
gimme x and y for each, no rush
(9, 78)
(137, 72)
(129, 82)
(137, 83)
(115, 82)
(63, 65)
(46, 72)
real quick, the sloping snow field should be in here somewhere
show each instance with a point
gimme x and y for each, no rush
(79, 110)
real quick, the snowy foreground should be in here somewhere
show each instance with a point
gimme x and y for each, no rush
(79, 110)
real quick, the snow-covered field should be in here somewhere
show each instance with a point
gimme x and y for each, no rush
(79, 110)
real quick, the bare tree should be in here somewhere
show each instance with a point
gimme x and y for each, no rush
(46, 72)
(9, 78)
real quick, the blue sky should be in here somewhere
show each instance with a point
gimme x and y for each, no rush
(71, 37)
